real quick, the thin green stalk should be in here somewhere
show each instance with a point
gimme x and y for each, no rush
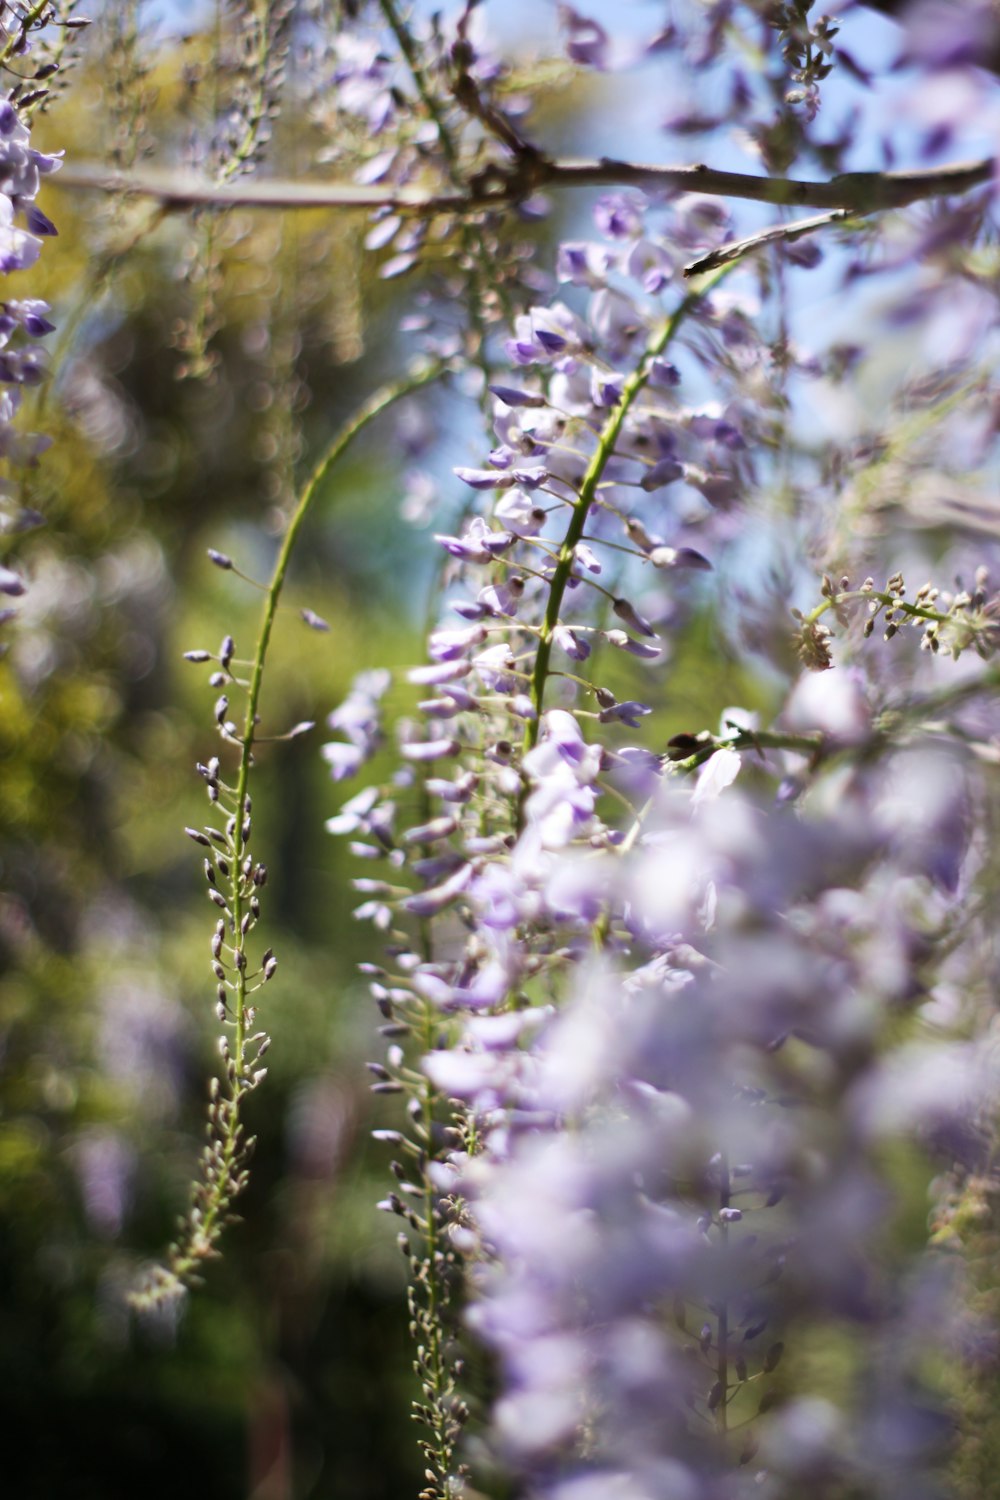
(748, 739)
(378, 403)
(588, 491)
(223, 1174)
(890, 601)
(256, 115)
(470, 241)
(27, 22)
(722, 1332)
(427, 96)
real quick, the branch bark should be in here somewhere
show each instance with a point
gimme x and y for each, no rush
(851, 192)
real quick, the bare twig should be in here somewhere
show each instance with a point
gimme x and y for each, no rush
(783, 232)
(851, 192)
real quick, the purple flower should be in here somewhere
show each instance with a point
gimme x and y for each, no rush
(624, 713)
(516, 398)
(569, 641)
(663, 374)
(344, 760)
(606, 387)
(587, 42)
(944, 34)
(667, 471)
(518, 513)
(624, 642)
(359, 718)
(617, 321)
(430, 902)
(18, 249)
(449, 645)
(484, 479)
(438, 672)
(105, 1165)
(620, 215)
(502, 598)
(427, 750)
(544, 332)
(496, 667)
(720, 771)
(583, 264)
(480, 544)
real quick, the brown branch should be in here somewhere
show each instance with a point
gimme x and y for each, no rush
(855, 192)
(851, 192)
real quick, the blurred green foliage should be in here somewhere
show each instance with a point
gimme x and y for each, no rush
(292, 1375)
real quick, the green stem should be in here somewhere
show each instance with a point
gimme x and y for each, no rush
(378, 403)
(588, 490)
(257, 113)
(750, 739)
(27, 22)
(722, 1364)
(223, 1176)
(890, 601)
(427, 96)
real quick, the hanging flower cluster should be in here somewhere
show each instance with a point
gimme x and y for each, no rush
(680, 1177)
(645, 1029)
(601, 479)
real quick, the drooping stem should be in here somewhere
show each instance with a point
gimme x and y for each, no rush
(588, 490)
(223, 1171)
(388, 395)
(722, 1329)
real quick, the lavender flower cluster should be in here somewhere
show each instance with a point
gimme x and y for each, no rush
(665, 1052)
(538, 578)
(680, 1183)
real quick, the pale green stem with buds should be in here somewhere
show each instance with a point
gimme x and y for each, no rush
(225, 1154)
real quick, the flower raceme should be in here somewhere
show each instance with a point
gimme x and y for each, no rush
(680, 1173)
(607, 1125)
(652, 1057)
